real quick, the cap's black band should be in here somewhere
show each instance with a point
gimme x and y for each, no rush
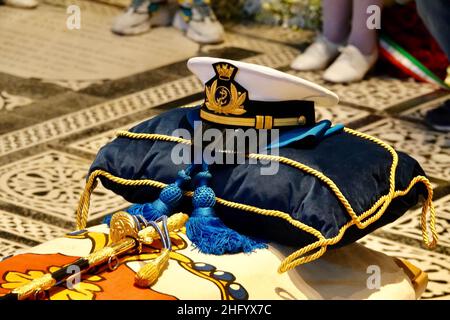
(280, 109)
(266, 114)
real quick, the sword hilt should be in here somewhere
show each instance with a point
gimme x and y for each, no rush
(126, 234)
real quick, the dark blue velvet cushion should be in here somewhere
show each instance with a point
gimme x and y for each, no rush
(360, 169)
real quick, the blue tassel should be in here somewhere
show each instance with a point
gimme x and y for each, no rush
(207, 232)
(168, 199)
(107, 219)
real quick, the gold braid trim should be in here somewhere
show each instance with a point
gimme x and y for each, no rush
(293, 260)
(83, 205)
(300, 256)
(150, 136)
(384, 200)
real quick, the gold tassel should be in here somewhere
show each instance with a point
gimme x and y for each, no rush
(149, 273)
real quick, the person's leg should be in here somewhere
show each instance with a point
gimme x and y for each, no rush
(439, 118)
(336, 19)
(361, 53)
(336, 26)
(141, 15)
(361, 36)
(436, 16)
(198, 20)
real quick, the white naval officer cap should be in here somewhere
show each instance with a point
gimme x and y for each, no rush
(239, 94)
(264, 83)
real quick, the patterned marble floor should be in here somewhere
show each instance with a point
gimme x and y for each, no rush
(52, 127)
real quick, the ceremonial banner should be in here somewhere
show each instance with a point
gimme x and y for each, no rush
(352, 272)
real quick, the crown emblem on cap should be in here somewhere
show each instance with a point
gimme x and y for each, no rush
(225, 71)
(223, 96)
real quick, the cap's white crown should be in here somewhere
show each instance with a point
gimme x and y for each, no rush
(266, 84)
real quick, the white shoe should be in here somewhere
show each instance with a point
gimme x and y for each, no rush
(350, 66)
(200, 23)
(140, 16)
(25, 4)
(317, 56)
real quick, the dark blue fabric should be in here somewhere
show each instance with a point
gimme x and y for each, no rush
(359, 168)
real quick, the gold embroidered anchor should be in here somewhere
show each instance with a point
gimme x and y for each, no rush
(221, 99)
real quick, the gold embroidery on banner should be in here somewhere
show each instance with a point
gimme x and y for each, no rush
(23, 283)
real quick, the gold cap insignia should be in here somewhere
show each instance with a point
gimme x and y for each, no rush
(224, 71)
(223, 96)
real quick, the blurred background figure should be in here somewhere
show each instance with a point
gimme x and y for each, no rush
(24, 4)
(141, 15)
(345, 36)
(436, 16)
(194, 17)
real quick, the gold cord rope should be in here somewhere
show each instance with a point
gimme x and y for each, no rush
(319, 247)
